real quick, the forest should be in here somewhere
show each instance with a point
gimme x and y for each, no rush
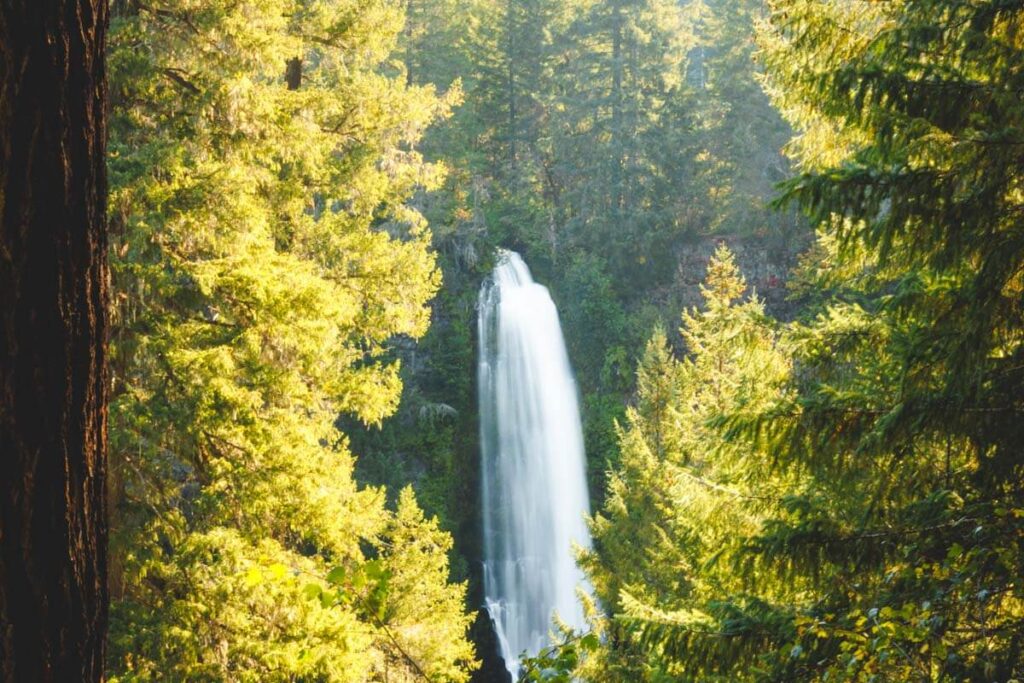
(501, 341)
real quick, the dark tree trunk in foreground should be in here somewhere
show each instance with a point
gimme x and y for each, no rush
(53, 327)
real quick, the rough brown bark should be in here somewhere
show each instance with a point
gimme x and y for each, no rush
(293, 73)
(53, 327)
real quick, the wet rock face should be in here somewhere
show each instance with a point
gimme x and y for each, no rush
(766, 264)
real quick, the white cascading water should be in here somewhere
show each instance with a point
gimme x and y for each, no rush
(533, 479)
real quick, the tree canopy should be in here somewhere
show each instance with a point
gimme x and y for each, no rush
(855, 513)
(265, 255)
(786, 243)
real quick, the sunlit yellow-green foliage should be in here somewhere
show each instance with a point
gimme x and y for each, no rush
(600, 164)
(682, 499)
(878, 530)
(265, 252)
(830, 32)
(907, 411)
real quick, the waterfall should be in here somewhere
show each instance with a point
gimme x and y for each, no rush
(534, 491)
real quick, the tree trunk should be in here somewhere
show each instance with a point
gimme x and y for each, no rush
(53, 328)
(510, 48)
(410, 47)
(293, 73)
(618, 143)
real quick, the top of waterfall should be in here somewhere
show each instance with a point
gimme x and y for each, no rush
(511, 270)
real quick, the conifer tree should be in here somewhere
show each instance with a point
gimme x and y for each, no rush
(893, 550)
(682, 497)
(265, 254)
(54, 296)
(738, 135)
(619, 78)
(914, 414)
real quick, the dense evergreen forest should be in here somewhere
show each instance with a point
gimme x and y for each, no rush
(786, 243)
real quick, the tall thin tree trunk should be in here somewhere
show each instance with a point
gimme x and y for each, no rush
(618, 143)
(293, 73)
(53, 328)
(410, 9)
(510, 48)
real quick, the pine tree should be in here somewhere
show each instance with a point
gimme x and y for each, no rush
(739, 135)
(916, 408)
(682, 498)
(263, 156)
(619, 79)
(895, 551)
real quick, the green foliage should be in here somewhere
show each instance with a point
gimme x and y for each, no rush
(737, 134)
(265, 255)
(596, 316)
(681, 498)
(852, 508)
(558, 663)
(911, 422)
(611, 128)
(615, 108)
(597, 166)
